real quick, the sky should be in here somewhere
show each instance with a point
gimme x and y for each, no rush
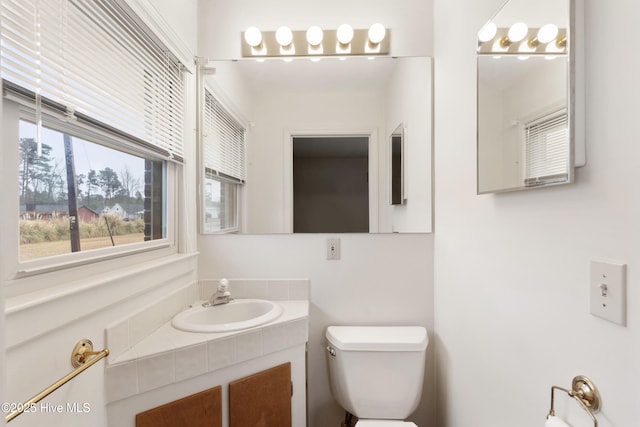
(87, 155)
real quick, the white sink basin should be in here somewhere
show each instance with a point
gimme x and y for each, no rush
(236, 315)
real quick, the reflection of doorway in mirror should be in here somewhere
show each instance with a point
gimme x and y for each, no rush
(330, 184)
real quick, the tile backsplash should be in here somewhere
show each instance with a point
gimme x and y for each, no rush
(270, 289)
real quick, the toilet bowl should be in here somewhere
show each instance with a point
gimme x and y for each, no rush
(376, 372)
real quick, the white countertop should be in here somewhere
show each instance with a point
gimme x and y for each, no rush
(167, 338)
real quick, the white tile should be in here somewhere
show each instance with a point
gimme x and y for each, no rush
(249, 345)
(156, 371)
(299, 289)
(117, 338)
(257, 289)
(221, 353)
(278, 290)
(207, 287)
(191, 361)
(274, 338)
(121, 381)
(297, 332)
(142, 324)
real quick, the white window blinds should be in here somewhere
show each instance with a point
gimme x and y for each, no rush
(96, 61)
(547, 149)
(224, 141)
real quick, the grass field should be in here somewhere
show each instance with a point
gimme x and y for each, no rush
(43, 249)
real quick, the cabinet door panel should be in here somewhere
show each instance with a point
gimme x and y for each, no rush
(202, 409)
(262, 399)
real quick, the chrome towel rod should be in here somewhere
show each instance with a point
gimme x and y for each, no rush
(584, 391)
(82, 358)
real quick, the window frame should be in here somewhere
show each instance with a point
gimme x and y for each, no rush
(13, 112)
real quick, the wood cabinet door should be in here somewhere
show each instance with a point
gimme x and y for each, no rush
(202, 409)
(262, 399)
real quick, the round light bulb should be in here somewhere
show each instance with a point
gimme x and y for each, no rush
(314, 35)
(517, 32)
(253, 36)
(345, 33)
(547, 33)
(284, 36)
(487, 32)
(376, 33)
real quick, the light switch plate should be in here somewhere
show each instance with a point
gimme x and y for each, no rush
(608, 288)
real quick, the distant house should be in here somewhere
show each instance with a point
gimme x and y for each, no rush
(86, 214)
(116, 210)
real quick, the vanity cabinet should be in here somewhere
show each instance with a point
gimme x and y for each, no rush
(262, 399)
(202, 409)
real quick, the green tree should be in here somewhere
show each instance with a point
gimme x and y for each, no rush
(91, 184)
(35, 171)
(109, 182)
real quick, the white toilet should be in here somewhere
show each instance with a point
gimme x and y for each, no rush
(376, 372)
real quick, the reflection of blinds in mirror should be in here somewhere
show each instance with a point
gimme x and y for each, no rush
(224, 141)
(547, 149)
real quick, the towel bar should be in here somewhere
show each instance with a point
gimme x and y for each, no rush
(584, 391)
(79, 360)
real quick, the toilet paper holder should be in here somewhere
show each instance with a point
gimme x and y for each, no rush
(584, 391)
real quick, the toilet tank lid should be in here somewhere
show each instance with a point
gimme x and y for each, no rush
(378, 338)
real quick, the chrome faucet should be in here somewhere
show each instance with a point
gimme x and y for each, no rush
(221, 295)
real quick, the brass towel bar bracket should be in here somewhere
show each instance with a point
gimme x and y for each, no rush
(584, 391)
(82, 357)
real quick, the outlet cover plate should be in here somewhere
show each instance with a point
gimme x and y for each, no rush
(608, 291)
(333, 249)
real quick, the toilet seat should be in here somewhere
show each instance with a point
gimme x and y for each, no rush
(384, 423)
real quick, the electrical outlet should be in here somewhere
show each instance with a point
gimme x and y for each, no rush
(333, 249)
(609, 291)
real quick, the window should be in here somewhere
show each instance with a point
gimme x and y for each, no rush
(76, 195)
(98, 132)
(224, 168)
(547, 149)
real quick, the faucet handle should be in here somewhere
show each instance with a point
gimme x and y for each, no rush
(223, 285)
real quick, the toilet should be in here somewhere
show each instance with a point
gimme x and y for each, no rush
(376, 372)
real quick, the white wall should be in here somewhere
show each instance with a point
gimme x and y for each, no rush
(380, 279)
(512, 270)
(42, 327)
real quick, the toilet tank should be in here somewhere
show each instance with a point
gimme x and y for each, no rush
(377, 371)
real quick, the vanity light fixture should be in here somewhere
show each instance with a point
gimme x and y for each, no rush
(315, 41)
(284, 36)
(547, 33)
(519, 38)
(487, 32)
(315, 35)
(517, 32)
(376, 33)
(344, 34)
(253, 37)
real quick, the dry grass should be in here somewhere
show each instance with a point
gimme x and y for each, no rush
(44, 249)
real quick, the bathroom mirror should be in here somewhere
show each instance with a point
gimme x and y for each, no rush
(332, 99)
(528, 125)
